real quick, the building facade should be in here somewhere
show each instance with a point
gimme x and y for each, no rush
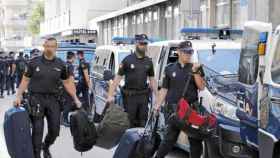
(160, 19)
(163, 19)
(67, 20)
(13, 14)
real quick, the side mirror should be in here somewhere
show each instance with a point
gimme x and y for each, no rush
(108, 75)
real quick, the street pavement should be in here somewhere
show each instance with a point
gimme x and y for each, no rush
(63, 148)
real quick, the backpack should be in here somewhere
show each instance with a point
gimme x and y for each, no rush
(83, 131)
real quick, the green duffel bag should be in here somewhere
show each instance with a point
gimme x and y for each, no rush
(112, 127)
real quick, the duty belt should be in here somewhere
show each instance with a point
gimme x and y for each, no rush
(131, 92)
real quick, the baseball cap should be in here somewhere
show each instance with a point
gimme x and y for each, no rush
(186, 47)
(142, 38)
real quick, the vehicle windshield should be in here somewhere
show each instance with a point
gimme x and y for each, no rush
(222, 61)
(122, 55)
(89, 56)
(275, 69)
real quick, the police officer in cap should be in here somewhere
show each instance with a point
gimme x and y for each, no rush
(136, 69)
(175, 77)
(68, 99)
(2, 75)
(84, 85)
(20, 67)
(11, 76)
(41, 78)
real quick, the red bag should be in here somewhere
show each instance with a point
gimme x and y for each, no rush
(186, 113)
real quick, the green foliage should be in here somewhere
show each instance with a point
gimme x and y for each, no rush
(37, 15)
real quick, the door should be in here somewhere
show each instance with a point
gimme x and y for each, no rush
(251, 67)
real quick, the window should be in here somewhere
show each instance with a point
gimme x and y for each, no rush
(236, 14)
(140, 18)
(168, 12)
(176, 11)
(133, 19)
(275, 70)
(155, 15)
(223, 61)
(249, 59)
(223, 13)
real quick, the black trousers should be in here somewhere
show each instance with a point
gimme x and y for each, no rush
(137, 108)
(10, 83)
(47, 107)
(69, 106)
(82, 93)
(2, 84)
(170, 138)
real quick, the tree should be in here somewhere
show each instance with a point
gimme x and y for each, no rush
(37, 15)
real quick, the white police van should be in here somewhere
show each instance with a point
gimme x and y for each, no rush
(105, 67)
(220, 58)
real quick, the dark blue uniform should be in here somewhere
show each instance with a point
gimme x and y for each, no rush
(20, 68)
(69, 104)
(176, 76)
(45, 76)
(136, 91)
(2, 75)
(82, 87)
(10, 77)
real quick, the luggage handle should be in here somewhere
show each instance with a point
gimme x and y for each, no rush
(150, 122)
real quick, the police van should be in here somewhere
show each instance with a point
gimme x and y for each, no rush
(105, 66)
(88, 48)
(220, 58)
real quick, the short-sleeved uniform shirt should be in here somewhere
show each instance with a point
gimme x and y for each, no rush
(83, 66)
(45, 75)
(175, 79)
(136, 70)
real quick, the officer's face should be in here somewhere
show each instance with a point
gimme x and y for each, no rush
(142, 47)
(50, 47)
(184, 57)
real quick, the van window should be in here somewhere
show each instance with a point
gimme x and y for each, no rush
(249, 59)
(223, 61)
(112, 63)
(173, 56)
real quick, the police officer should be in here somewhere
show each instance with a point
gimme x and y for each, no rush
(20, 67)
(136, 69)
(68, 99)
(84, 83)
(10, 80)
(41, 78)
(2, 75)
(176, 76)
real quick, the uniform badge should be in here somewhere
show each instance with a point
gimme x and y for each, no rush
(174, 74)
(37, 69)
(132, 66)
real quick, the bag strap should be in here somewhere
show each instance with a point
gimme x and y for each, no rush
(187, 85)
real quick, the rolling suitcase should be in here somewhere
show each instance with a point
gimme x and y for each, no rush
(17, 130)
(139, 142)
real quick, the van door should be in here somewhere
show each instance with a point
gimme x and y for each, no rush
(251, 66)
(270, 100)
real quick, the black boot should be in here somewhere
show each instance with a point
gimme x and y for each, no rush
(46, 152)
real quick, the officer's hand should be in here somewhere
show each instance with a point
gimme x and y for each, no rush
(110, 99)
(195, 67)
(157, 109)
(17, 102)
(78, 103)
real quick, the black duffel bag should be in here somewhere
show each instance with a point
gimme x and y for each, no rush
(83, 130)
(150, 140)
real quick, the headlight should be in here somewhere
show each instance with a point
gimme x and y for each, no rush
(224, 108)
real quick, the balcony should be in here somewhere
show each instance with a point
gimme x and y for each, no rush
(14, 23)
